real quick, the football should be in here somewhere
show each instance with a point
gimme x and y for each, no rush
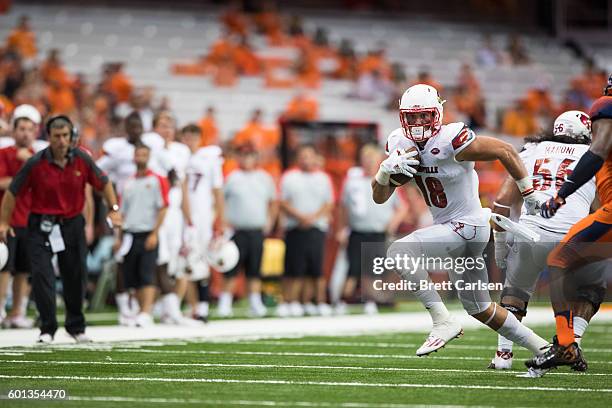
(397, 180)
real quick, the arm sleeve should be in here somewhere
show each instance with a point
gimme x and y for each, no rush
(463, 139)
(271, 188)
(329, 190)
(95, 176)
(588, 165)
(22, 179)
(285, 193)
(3, 166)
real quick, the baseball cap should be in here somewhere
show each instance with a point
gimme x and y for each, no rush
(28, 112)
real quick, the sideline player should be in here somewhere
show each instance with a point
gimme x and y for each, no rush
(587, 241)
(118, 163)
(26, 126)
(170, 161)
(203, 210)
(548, 157)
(446, 177)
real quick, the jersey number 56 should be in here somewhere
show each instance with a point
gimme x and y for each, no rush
(543, 177)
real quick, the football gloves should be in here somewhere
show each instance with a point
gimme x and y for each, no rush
(400, 163)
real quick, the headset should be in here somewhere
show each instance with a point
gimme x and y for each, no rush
(74, 133)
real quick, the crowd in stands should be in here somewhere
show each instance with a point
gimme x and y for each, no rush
(99, 107)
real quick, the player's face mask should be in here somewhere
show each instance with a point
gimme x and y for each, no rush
(418, 124)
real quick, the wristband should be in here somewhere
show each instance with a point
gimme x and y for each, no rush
(382, 177)
(525, 186)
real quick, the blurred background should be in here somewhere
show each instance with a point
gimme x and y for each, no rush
(276, 73)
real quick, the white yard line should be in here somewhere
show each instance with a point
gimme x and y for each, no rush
(272, 353)
(380, 345)
(287, 366)
(267, 403)
(276, 327)
(317, 383)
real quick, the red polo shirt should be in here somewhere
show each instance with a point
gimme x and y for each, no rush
(56, 190)
(9, 166)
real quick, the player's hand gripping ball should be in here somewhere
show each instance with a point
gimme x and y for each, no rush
(409, 167)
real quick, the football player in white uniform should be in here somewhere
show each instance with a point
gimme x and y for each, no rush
(203, 209)
(446, 177)
(170, 161)
(118, 162)
(549, 158)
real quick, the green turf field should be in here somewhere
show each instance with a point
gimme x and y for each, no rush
(360, 371)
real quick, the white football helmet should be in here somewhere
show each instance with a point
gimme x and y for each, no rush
(575, 124)
(418, 100)
(222, 254)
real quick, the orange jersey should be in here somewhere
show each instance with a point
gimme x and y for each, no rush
(602, 109)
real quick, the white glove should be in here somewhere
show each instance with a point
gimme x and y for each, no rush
(532, 201)
(501, 249)
(397, 163)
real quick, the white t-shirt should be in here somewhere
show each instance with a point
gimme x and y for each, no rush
(247, 198)
(307, 192)
(449, 187)
(364, 215)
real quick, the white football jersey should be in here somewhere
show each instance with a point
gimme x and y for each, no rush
(118, 160)
(174, 156)
(449, 187)
(549, 164)
(204, 173)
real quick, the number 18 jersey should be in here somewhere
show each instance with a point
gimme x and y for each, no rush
(550, 164)
(449, 187)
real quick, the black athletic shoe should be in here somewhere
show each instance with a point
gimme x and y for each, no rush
(558, 355)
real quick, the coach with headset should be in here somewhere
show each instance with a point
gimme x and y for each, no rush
(57, 177)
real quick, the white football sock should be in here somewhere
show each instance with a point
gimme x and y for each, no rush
(255, 300)
(202, 309)
(134, 305)
(123, 303)
(172, 305)
(23, 308)
(225, 301)
(580, 326)
(437, 310)
(522, 335)
(503, 344)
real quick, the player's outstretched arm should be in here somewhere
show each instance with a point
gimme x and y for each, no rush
(485, 148)
(588, 165)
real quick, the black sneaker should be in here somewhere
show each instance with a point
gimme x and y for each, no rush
(558, 355)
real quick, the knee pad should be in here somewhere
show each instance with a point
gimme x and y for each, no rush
(517, 293)
(592, 294)
(517, 311)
